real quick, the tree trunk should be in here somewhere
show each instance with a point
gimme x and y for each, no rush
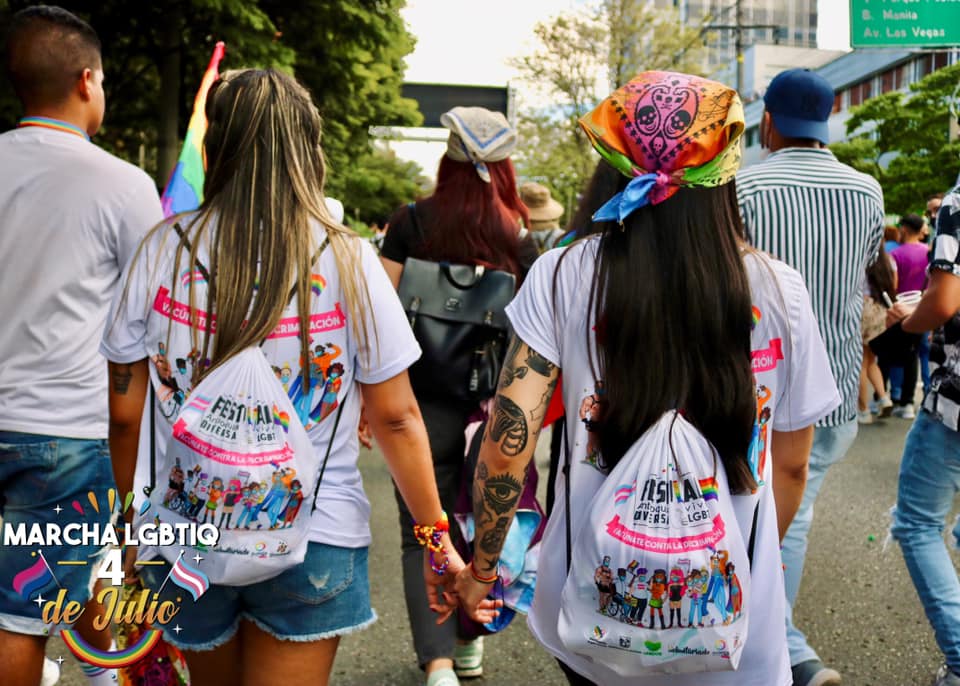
(168, 139)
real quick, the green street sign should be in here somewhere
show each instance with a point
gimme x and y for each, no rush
(904, 23)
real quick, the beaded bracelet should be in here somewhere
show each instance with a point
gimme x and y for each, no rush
(483, 579)
(430, 536)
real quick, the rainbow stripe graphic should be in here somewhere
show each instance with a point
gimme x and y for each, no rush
(708, 487)
(677, 495)
(106, 659)
(623, 493)
(31, 579)
(317, 284)
(184, 191)
(281, 418)
(756, 316)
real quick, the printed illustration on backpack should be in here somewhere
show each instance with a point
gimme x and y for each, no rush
(175, 381)
(759, 447)
(326, 376)
(591, 414)
(705, 597)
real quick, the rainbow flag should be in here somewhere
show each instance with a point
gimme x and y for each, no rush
(184, 191)
(708, 487)
(31, 579)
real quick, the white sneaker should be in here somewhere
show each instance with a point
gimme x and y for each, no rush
(51, 672)
(904, 411)
(864, 417)
(884, 406)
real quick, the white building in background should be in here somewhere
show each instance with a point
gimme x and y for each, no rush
(856, 76)
(792, 23)
(762, 62)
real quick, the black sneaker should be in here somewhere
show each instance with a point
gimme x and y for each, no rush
(815, 673)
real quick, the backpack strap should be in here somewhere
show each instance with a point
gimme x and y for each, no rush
(566, 491)
(323, 466)
(147, 490)
(206, 274)
(412, 211)
(753, 535)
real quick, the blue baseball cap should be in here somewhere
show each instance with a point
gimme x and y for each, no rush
(800, 102)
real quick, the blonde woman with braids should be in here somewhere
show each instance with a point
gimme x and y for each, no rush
(261, 233)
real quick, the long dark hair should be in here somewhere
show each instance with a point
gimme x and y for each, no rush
(604, 183)
(476, 222)
(880, 277)
(672, 303)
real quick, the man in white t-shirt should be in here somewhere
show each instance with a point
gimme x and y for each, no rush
(71, 215)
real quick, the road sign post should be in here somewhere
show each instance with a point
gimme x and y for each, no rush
(904, 23)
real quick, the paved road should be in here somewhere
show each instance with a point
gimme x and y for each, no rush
(857, 603)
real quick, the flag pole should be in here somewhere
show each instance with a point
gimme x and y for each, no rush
(169, 573)
(47, 565)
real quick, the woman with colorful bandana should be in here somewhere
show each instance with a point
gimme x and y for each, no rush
(658, 303)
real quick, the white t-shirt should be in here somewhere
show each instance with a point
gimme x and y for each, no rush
(794, 381)
(138, 327)
(71, 215)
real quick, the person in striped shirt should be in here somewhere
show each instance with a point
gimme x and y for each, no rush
(824, 219)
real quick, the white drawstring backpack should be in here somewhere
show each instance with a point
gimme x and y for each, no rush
(659, 573)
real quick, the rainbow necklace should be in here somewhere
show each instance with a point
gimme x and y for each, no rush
(55, 124)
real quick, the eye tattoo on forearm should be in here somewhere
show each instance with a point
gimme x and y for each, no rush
(501, 492)
(509, 425)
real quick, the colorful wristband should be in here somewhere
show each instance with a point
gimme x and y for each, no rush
(431, 537)
(482, 579)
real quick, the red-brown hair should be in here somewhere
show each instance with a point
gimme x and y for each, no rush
(476, 222)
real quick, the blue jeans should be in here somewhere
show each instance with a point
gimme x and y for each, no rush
(929, 482)
(47, 480)
(830, 444)
(326, 595)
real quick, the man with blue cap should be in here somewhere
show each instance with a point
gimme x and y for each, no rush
(825, 219)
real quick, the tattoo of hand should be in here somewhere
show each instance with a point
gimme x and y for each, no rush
(509, 425)
(492, 541)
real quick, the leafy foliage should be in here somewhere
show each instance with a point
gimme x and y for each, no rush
(903, 141)
(377, 183)
(581, 56)
(349, 54)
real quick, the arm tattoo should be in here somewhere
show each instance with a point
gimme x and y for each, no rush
(492, 541)
(510, 369)
(121, 375)
(539, 363)
(501, 493)
(509, 425)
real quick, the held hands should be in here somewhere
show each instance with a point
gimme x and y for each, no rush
(473, 598)
(898, 313)
(441, 595)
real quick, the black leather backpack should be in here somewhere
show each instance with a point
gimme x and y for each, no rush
(457, 315)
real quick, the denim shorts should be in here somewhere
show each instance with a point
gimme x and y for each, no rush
(325, 596)
(40, 475)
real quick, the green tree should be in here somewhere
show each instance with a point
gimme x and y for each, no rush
(903, 141)
(378, 183)
(349, 54)
(580, 57)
